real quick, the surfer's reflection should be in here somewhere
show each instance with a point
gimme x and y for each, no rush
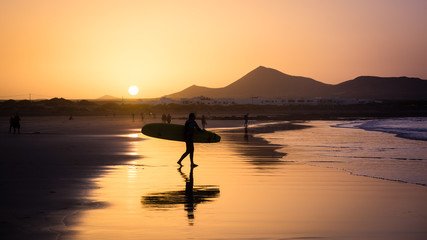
(190, 197)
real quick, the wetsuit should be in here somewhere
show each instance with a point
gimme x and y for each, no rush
(189, 128)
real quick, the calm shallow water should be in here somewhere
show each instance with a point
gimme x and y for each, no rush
(238, 193)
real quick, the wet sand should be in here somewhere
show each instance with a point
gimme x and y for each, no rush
(86, 179)
(48, 170)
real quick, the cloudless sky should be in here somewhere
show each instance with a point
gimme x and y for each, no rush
(88, 48)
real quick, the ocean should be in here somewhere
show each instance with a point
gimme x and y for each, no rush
(389, 149)
(243, 190)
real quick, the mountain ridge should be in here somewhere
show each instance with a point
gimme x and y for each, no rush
(271, 83)
(107, 97)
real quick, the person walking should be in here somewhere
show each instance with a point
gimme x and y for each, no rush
(246, 118)
(11, 123)
(16, 124)
(204, 123)
(189, 128)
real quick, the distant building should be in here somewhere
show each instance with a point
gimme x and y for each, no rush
(260, 101)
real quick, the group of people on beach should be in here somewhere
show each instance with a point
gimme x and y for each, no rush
(15, 123)
(166, 118)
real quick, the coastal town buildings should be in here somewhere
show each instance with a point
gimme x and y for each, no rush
(258, 101)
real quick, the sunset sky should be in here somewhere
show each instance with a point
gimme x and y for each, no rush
(88, 48)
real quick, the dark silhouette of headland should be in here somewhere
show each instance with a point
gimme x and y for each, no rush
(270, 83)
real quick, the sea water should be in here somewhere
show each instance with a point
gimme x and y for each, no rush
(410, 128)
(243, 190)
(390, 149)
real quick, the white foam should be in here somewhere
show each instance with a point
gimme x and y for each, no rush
(410, 128)
(348, 147)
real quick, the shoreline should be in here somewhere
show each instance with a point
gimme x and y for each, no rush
(389, 146)
(255, 147)
(411, 134)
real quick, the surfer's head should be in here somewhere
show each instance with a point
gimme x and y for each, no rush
(192, 116)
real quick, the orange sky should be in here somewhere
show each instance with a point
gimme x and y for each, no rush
(86, 49)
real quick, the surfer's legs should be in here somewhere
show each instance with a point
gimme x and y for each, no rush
(191, 159)
(182, 157)
(189, 150)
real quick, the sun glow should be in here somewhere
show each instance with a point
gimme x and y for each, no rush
(133, 90)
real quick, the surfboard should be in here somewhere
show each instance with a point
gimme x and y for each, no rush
(175, 132)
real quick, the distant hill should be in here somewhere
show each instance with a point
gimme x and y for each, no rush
(270, 83)
(108, 97)
(389, 88)
(262, 82)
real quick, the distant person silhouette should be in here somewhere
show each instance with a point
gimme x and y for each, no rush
(169, 118)
(204, 123)
(16, 123)
(11, 121)
(246, 117)
(189, 128)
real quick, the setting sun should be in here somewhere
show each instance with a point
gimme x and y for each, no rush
(133, 90)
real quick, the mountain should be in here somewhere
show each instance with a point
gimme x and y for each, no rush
(389, 88)
(270, 83)
(107, 97)
(262, 82)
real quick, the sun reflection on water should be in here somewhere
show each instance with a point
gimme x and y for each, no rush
(132, 171)
(133, 135)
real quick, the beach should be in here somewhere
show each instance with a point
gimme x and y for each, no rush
(100, 178)
(49, 168)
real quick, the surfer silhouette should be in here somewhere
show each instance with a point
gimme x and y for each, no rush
(189, 128)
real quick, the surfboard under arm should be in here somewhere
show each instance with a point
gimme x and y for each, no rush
(175, 132)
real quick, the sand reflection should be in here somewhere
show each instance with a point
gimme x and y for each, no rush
(189, 197)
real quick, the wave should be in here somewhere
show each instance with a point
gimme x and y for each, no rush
(349, 148)
(409, 128)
